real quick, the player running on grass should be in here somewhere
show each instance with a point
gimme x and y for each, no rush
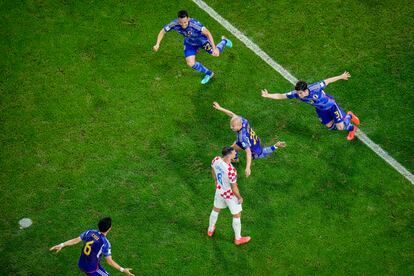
(329, 112)
(227, 193)
(247, 139)
(196, 36)
(94, 244)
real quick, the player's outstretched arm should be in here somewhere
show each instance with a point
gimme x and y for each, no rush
(275, 96)
(280, 144)
(159, 38)
(59, 247)
(225, 111)
(112, 263)
(345, 76)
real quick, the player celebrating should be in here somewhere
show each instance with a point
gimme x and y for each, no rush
(227, 193)
(95, 244)
(247, 139)
(196, 36)
(329, 112)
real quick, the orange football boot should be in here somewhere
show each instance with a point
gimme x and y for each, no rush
(210, 233)
(354, 118)
(242, 240)
(351, 134)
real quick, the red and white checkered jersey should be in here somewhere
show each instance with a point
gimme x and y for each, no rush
(226, 175)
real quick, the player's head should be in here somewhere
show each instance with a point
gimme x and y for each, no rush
(236, 123)
(105, 224)
(228, 152)
(183, 19)
(302, 89)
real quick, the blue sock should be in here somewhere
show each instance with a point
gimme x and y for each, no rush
(221, 45)
(347, 123)
(267, 151)
(200, 67)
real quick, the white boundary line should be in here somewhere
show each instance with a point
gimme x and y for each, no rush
(256, 49)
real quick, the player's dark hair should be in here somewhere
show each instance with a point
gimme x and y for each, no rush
(182, 14)
(301, 86)
(104, 224)
(226, 151)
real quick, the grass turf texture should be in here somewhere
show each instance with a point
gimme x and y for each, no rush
(93, 123)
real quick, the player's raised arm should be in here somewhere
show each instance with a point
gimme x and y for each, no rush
(112, 263)
(225, 111)
(59, 247)
(345, 76)
(159, 39)
(275, 96)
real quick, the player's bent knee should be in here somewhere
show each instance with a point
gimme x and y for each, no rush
(216, 209)
(237, 215)
(190, 63)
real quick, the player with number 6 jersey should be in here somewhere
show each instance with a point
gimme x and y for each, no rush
(95, 244)
(227, 193)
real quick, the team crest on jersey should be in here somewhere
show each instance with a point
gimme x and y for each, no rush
(189, 33)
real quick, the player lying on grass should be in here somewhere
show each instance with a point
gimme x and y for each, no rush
(227, 193)
(196, 36)
(247, 139)
(94, 244)
(329, 112)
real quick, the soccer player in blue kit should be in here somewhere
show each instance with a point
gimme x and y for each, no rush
(95, 244)
(247, 139)
(329, 112)
(196, 36)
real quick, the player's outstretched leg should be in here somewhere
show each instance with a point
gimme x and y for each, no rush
(269, 150)
(191, 61)
(225, 42)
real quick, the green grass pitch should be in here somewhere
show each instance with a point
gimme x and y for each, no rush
(94, 123)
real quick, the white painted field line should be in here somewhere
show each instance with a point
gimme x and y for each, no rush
(256, 49)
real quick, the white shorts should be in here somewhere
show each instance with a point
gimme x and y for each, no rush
(233, 204)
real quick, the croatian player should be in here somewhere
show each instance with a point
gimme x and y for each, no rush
(329, 112)
(95, 244)
(227, 193)
(247, 139)
(196, 36)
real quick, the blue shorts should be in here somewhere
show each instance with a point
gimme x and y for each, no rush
(191, 50)
(335, 113)
(100, 272)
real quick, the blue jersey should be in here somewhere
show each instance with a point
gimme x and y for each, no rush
(94, 245)
(192, 34)
(247, 138)
(317, 97)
